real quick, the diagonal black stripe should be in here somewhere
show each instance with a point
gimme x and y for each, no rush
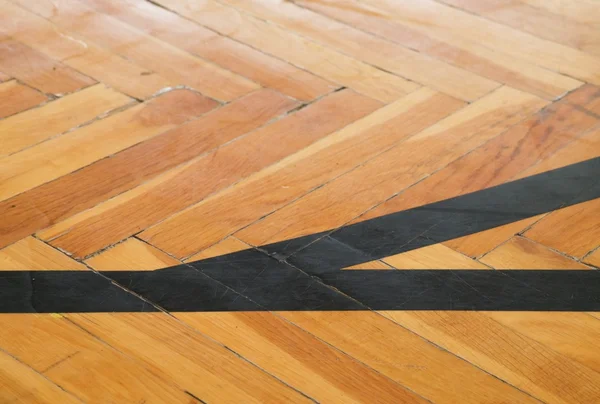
(250, 280)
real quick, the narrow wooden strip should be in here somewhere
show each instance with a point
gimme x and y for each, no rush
(132, 254)
(297, 50)
(594, 258)
(39, 71)
(152, 202)
(180, 354)
(347, 197)
(32, 254)
(521, 253)
(536, 21)
(15, 98)
(509, 355)
(56, 117)
(436, 256)
(448, 47)
(82, 55)
(379, 52)
(57, 200)
(196, 39)
(143, 49)
(20, 383)
(247, 201)
(59, 156)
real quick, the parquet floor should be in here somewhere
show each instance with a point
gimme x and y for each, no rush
(379, 201)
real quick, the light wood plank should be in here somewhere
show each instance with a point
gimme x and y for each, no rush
(436, 256)
(59, 156)
(164, 196)
(16, 97)
(376, 51)
(31, 254)
(39, 71)
(84, 56)
(536, 21)
(132, 254)
(471, 56)
(225, 52)
(593, 258)
(281, 183)
(350, 195)
(521, 253)
(29, 128)
(23, 384)
(297, 50)
(71, 194)
(143, 49)
(4, 77)
(583, 11)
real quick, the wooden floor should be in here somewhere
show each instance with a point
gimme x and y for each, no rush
(144, 134)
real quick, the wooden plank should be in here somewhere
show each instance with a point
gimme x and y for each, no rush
(379, 52)
(297, 50)
(133, 211)
(227, 246)
(82, 364)
(132, 254)
(471, 56)
(4, 77)
(289, 353)
(521, 253)
(29, 128)
(143, 49)
(587, 97)
(574, 335)
(593, 258)
(536, 21)
(583, 11)
(433, 18)
(352, 194)
(20, 383)
(59, 156)
(57, 200)
(436, 256)
(249, 200)
(225, 52)
(39, 71)
(31, 254)
(84, 56)
(16, 97)
(509, 355)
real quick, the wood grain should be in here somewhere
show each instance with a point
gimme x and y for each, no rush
(59, 156)
(142, 207)
(68, 195)
(404, 62)
(31, 254)
(348, 196)
(132, 254)
(239, 58)
(57, 117)
(16, 97)
(448, 47)
(143, 49)
(39, 71)
(247, 201)
(297, 50)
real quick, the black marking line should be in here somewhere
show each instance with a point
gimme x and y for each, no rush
(311, 278)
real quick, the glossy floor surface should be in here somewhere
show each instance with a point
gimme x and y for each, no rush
(299, 167)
